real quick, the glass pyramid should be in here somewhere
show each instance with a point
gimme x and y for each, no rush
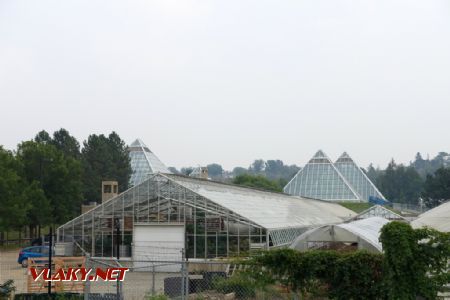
(143, 162)
(320, 179)
(356, 177)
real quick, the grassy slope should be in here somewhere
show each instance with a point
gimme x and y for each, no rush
(356, 206)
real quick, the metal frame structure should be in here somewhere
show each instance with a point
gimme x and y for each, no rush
(221, 220)
(357, 178)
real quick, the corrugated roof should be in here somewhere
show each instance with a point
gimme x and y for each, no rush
(267, 209)
(437, 218)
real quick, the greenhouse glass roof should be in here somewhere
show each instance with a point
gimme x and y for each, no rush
(437, 218)
(269, 210)
(356, 177)
(320, 179)
(143, 162)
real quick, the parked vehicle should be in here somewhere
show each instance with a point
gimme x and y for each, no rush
(34, 251)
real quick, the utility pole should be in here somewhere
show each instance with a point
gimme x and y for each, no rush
(50, 245)
(117, 225)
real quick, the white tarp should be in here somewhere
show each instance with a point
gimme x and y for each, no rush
(365, 232)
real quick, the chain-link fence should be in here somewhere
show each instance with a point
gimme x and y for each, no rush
(154, 280)
(189, 279)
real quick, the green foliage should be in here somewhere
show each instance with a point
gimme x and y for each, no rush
(400, 184)
(215, 170)
(428, 166)
(242, 286)
(104, 158)
(437, 187)
(13, 206)
(6, 289)
(58, 176)
(257, 181)
(322, 273)
(415, 261)
(157, 297)
(356, 206)
(415, 264)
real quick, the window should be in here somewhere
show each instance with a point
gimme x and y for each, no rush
(107, 189)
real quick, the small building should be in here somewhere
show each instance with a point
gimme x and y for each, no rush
(167, 213)
(360, 234)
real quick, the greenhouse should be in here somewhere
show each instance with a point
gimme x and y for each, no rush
(208, 219)
(437, 218)
(360, 234)
(320, 179)
(340, 181)
(357, 178)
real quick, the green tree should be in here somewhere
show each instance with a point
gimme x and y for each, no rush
(215, 170)
(400, 184)
(43, 137)
(59, 178)
(104, 158)
(257, 167)
(415, 263)
(257, 181)
(372, 173)
(239, 171)
(40, 211)
(66, 143)
(13, 207)
(186, 170)
(437, 187)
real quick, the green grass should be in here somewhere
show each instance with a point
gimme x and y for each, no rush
(357, 207)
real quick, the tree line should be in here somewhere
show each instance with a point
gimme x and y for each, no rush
(423, 179)
(46, 179)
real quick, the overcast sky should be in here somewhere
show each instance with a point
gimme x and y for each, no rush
(231, 81)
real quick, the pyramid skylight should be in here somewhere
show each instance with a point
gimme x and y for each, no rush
(356, 177)
(143, 162)
(320, 179)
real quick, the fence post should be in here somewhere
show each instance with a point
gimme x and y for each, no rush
(153, 280)
(87, 286)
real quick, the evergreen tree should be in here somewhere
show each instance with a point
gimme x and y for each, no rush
(58, 176)
(66, 143)
(437, 187)
(104, 158)
(13, 206)
(400, 184)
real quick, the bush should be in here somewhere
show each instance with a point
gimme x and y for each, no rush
(6, 289)
(415, 264)
(241, 286)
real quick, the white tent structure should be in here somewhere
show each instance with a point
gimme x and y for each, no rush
(361, 234)
(437, 218)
